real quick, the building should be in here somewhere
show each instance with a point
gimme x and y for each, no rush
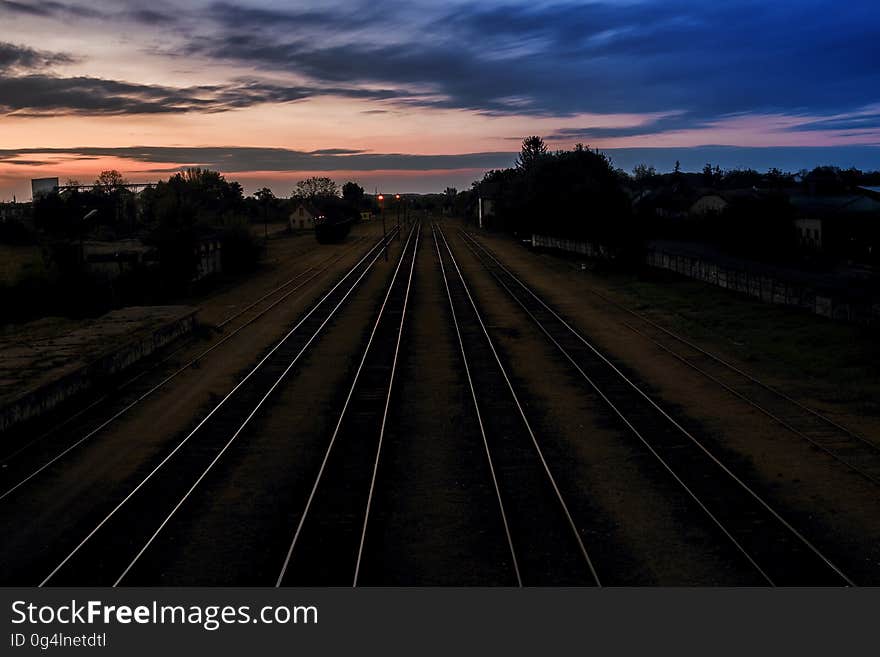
(43, 186)
(117, 257)
(844, 225)
(209, 257)
(665, 202)
(809, 233)
(486, 193)
(709, 204)
(302, 217)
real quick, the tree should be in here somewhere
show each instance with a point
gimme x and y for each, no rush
(181, 210)
(265, 196)
(533, 150)
(712, 176)
(315, 187)
(109, 181)
(777, 178)
(643, 173)
(449, 198)
(266, 199)
(353, 193)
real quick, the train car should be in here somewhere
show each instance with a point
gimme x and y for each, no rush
(329, 228)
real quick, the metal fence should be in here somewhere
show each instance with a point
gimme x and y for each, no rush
(839, 306)
(768, 288)
(588, 249)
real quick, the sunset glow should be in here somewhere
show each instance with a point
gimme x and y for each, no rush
(365, 90)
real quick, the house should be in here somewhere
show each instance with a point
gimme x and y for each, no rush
(665, 202)
(302, 217)
(713, 203)
(117, 257)
(209, 256)
(809, 233)
(709, 204)
(486, 203)
(847, 225)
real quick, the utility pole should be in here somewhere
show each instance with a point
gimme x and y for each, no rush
(381, 200)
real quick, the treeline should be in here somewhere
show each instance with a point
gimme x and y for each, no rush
(576, 194)
(579, 194)
(173, 221)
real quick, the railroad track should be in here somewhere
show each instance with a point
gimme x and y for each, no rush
(257, 310)
(766, 541)
(328, 543)
(545, 543)
(116, 535)
(859, 454)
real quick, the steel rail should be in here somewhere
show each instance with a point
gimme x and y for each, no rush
(103, 425)
(321, 267)
(526, 422)
(357, 568)
(614, 408)
(776, 391)
(170, 455)
(684, 432)
(238, 431)
(336, 430)
(479, 415)
(757, 406)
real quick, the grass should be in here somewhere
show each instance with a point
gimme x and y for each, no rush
(16, 260)
(828, 360)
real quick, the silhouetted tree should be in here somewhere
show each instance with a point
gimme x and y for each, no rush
(315, 187)
(353, 193)
(712, 176)
(267, 201)
(742, 178)
(109, 181)
(643, 173)
(533, 150)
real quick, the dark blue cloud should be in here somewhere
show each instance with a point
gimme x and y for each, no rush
(232, 159)
(236, 159)
(28, 87)
(17, 57)
(705, 58)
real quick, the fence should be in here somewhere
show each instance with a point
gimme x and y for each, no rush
(588, 249)
(839, 306)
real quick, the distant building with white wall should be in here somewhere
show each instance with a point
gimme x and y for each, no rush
(43, 186)
(301, 218)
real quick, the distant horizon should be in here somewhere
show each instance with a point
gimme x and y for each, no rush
(418, 96)
(454, 170)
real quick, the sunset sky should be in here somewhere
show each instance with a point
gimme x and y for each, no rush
(414, 96)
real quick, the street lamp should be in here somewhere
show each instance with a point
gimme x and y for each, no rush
(82, 233)
(381, 200)
(397, 198)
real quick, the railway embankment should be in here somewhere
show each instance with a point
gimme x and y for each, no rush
(49, 361)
